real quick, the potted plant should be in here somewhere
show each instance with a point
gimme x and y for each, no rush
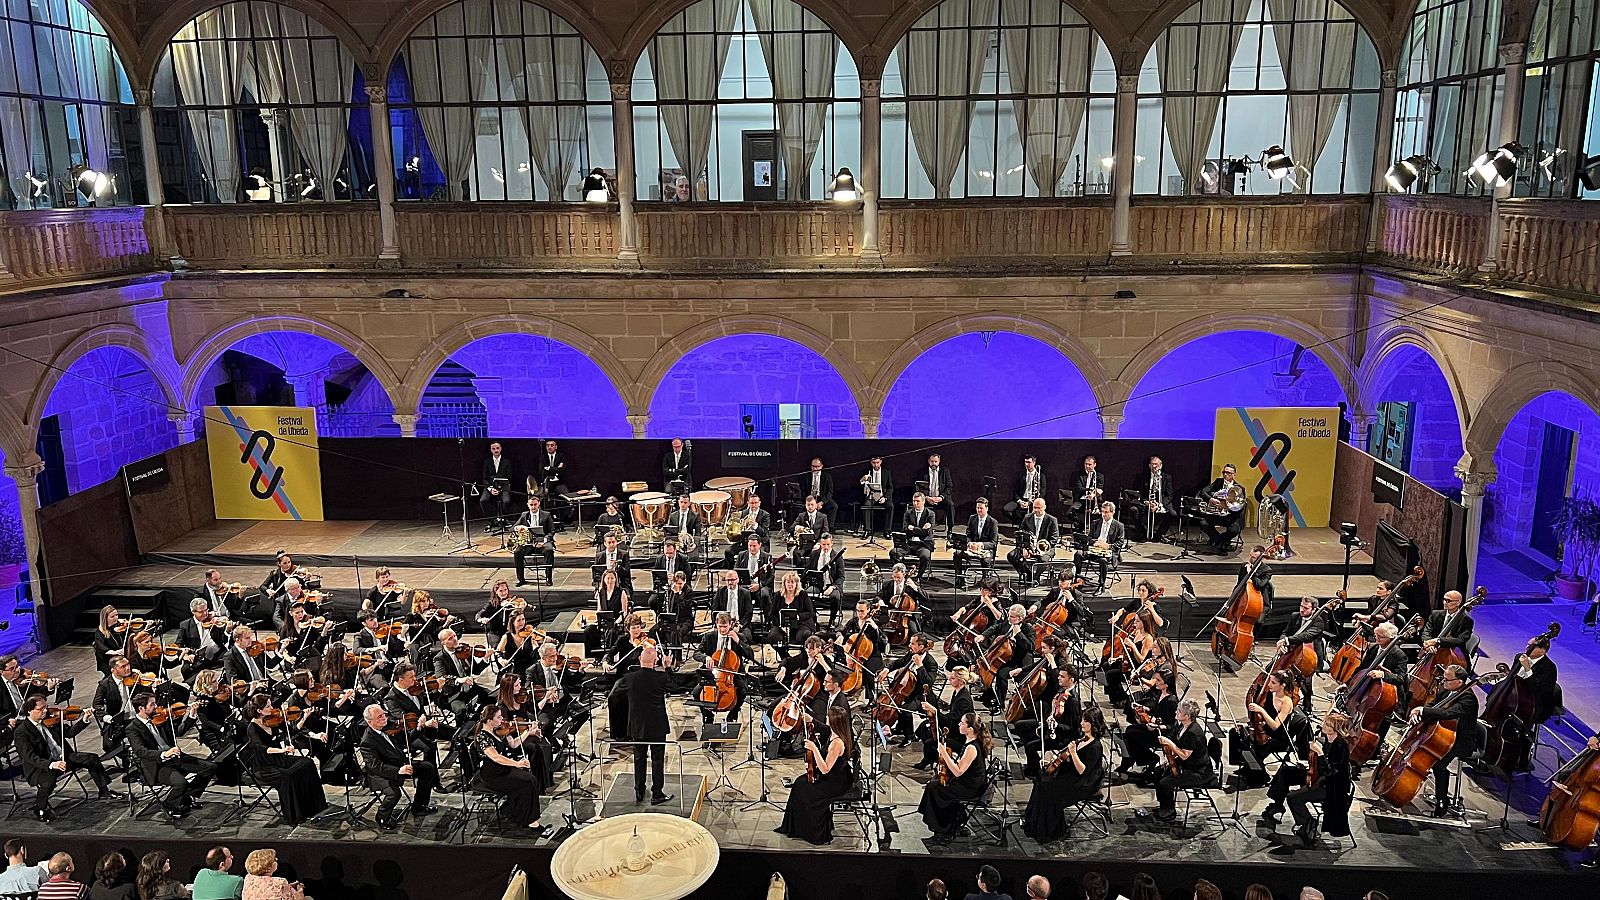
(1577, 525)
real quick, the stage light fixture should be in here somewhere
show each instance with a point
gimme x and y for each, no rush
(1276, 163)
(1554, 164)
(91, 183)
(843, 189)
(1403, 174)
(594, 186)
(1589, 173)
(1497, 167)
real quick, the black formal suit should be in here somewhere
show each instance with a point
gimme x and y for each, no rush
(918, 527)
(885, 501)
(824, 580)
(224, 601)
(741, 600)
(647, 721)
(1460, 707)
(1021, 654)
(13, 696)
(661, 569)
(1022, 497)
(888, 592)
(820, 486)
(551, 470)
(677, 467)
(817, 521)
(756, 571)
(35, 753)
(1157, 488)
(560, 706)
(463, 700)
(397, 703)
(236, 664)
(981, 535)
(381, 760)
(189, 639)
(1541, 681)
(1223, 527)
(1030, 531)
(1390, 660)
(109, 704)
(147, 743)
(1262, 579)
(1058, 728)
(1313, 629)
(1083, 483)
(927, 677)
(619, 561)
(941, 484)
(543, 548)
(683, 521)
(1455, 634)
(762, 531)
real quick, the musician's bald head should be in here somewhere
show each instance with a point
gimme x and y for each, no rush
(647, 657)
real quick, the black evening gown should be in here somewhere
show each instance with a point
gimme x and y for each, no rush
(941, 805)
(518, 789)
(1045, 818)
(809, 813)
(295, 778)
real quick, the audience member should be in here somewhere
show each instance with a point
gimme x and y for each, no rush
(215, 882)
(1258, 891)
(20, 877)
(261, 882)
(1144, 887)
(155, 881)
(988, 885)
(1039, 888)
(1309, 893)
(937, 890)
(1095, 886)
(1205, 890)
(1375, 895)
(60, 885)
(111, 880)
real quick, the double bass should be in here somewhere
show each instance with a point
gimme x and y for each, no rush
(1347, 660)
(1425, 675)
(1570, 815)
(1368, 702)
(1303, 657)
(1508, 713)
(1401, 774)
(1235, 634)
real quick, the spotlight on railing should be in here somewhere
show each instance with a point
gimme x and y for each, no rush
(843, 189)
(1277, 164)
(1497, 167)
(1403, 174)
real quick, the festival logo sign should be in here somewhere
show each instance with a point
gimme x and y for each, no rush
(1292, 451)
(264, 462)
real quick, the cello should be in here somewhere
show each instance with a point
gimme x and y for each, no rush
(1368, 702)
(1054, 619)
(1508, 713)
(790, 711)
(960, 644)
(1114, 648)
(896, 694)
(1400, 775)
(898, 613)
(1425, 675)
(722, 694)
(1001, 652)
(1030, 687)
(1303, 657)
(1570, 815)
(1235, 634)
(1348, 658)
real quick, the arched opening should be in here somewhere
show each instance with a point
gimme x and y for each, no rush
(107, 410)
(292, 368)
(787, 389)
(1417, 417)
(521, 385)
(993, 384)
(1179, 396)
(1549, 451)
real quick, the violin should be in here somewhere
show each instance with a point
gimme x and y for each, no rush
(55, 715)
(530, 633)
(1509, 744)
(1349, 656)
(1401, 774)
(811, 758)
(1430, 665)
(125, 625)
(268, 644)
(1235, 634)
(1570, 815)
(282, 716)
(391, 628)
(430, 684)
(516, 727)
(330, 692)
(140, 679)
(474, 652)
(165, 714)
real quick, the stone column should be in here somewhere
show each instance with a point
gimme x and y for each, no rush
(871, 165)
(1361, 429)
(869, 426)
(278, 178)
(1109, 423)
(640, 425)
(310, 389)
(26, 477)
(1474, 485)
(627, 181)
(164, 249)
(407, 423)
(184, 422)
(4, 272)
(383, 171)
(1512, 56)
(1125, 116)
(1382, 150)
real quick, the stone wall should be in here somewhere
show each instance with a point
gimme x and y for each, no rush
(112, 413)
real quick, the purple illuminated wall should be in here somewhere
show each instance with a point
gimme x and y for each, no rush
(533, 386)
(321, 373)
(112, 412)
(1508, 515)
(701, 394)
(1179, 396)
(12, 551)
(1409, 375)
(1009, 388)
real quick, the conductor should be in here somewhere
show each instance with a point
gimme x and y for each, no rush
(647, 722)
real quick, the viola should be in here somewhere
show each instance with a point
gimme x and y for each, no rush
(268, 644)
(1508, 713)
(1235, 634)
(1570, 815)
(165, 714)
(811, 758)
(55, 715)
(281, 716)
(1369, 701)
(1347, 660)
(1430, 666)
(1401, 774)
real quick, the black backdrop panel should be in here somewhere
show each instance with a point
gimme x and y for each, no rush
(391, 478)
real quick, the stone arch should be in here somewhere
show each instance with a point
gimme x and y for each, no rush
(125, 337)
(393, 38)
(939, 332)
(123, 39)
(681, 344)
(1203, 326)
(182, 12)
(1105, 25)
(1515, 390)
(443, 346)
(1371, 15)
(1387, 344)
(218, 342)
(839, 21)
(16, 437)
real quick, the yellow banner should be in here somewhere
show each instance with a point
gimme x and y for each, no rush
(1291, 449)
(264, 462)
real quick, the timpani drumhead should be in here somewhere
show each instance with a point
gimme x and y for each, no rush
(680, 856)
(712, 506)
(738, 488)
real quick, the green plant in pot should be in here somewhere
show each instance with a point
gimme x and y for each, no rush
(1577, 525)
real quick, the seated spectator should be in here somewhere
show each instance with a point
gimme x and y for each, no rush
(1258, 891)
(20, 876)
(155, 879)
(1205, 890)
(1039, 888)
(261, 882)
(1311, 893)
(215, 882)
(1144, 887)
(1095, 886)
(60, 885)
(988, 885)
(111, 881)
(936, 890)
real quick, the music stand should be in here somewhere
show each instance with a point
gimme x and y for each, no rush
(448, 536)
(713, 735)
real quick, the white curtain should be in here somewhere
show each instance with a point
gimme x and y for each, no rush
(1316, 56)
(296, 62)
(1044, 57)
(801, 61)
(450, 69)
(206, 67)
(687, 66)
(83, 65)
(17, 117)
(546, 66)
(946, 61)
(1197, 58)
